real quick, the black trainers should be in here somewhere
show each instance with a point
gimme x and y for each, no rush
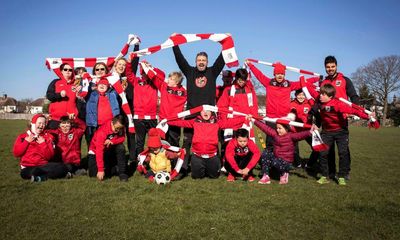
(38, 178)
(123, 177)
(69, 175)
(81, 172)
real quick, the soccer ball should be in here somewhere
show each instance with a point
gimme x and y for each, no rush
(162, 178)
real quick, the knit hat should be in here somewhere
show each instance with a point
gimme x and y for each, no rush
(103, 80)
(34, 120)
(153, 140)
(279, 68)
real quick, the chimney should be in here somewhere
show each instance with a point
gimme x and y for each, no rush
(5, 96)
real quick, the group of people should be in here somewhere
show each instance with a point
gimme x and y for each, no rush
(51, 148)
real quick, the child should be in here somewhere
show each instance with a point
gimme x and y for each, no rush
(282, 156)
(159, 156)
(68, 144)
(241, 156)
(301, 108)
(101, 107)
(334, 129)
(35, 148)
(204, 160)
(107, 145)
(173, 99)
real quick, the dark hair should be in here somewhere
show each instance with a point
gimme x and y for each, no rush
(202, 54)
(285, 126)
(63, 65)
(242, 74)
(330, 59)
(328, 89)
(97, 64)
(119, 119)
(65, 119)
(298, 91)
(241, 132)
(78, 69)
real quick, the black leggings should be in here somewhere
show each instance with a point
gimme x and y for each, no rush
(51, 170)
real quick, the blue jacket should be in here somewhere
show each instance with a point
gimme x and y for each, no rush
(91, 106)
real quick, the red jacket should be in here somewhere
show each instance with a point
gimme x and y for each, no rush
(284, 146)
(33, 154)
(344, 87)
(301, 110)
(144, 96)
(68, 145)
(233, 149)
(97, 147)
(173, 99)
(61, 106)
(278, 94)
(205, 133)
(244, 100)
(332, 115)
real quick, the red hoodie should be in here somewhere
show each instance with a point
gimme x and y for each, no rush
(144, 96)
(233, 149)
(205, 133)
(278, 94)
(301, 110)
(103, 133)
(61, 106)
(68, 145)
(33, 154)
(173, 99)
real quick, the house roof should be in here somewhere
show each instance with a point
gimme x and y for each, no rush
(9, 101)
(38, 102)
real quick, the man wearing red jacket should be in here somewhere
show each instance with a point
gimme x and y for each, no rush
(278, 94)
(107, 145)
(242, 155)
(36, 149)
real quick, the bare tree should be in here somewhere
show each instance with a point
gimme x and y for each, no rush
(382, 77)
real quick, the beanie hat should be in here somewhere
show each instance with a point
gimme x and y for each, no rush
(153, 140)
(34, 120)
(279, 68)
(103, 80)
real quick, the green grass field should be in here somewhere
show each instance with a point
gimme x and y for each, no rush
(82, 208)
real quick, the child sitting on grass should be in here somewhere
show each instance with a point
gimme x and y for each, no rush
(284, 146)
(241, 155)
(159, 156)
(204, 160)
(35, 148)
(68, 143)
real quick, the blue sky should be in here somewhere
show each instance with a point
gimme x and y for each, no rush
(297, 33)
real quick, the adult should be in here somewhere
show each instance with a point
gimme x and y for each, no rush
(35, 148)
(62, 94)
(344, 89)
(201, 82)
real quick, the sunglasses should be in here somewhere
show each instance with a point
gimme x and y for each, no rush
(67, 69)
(100, 69)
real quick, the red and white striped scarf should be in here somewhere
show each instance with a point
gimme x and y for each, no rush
(228, 47)
(142, 157)
(54, 63)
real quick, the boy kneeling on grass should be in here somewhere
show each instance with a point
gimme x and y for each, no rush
(107, 152)
(241, 155)
(283, 155)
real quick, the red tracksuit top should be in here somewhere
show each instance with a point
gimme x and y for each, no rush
(173, 99)
(61, 106)
(68, 145)
(339, 82)
(240, 101)
(284, 146)
(205, 133)
(332, 115)
(278, 94)
(144, 96)
(233, 149)
(103, 133)
(33, 154)
(301, 110)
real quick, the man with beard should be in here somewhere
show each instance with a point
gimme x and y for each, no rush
(201, 89)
